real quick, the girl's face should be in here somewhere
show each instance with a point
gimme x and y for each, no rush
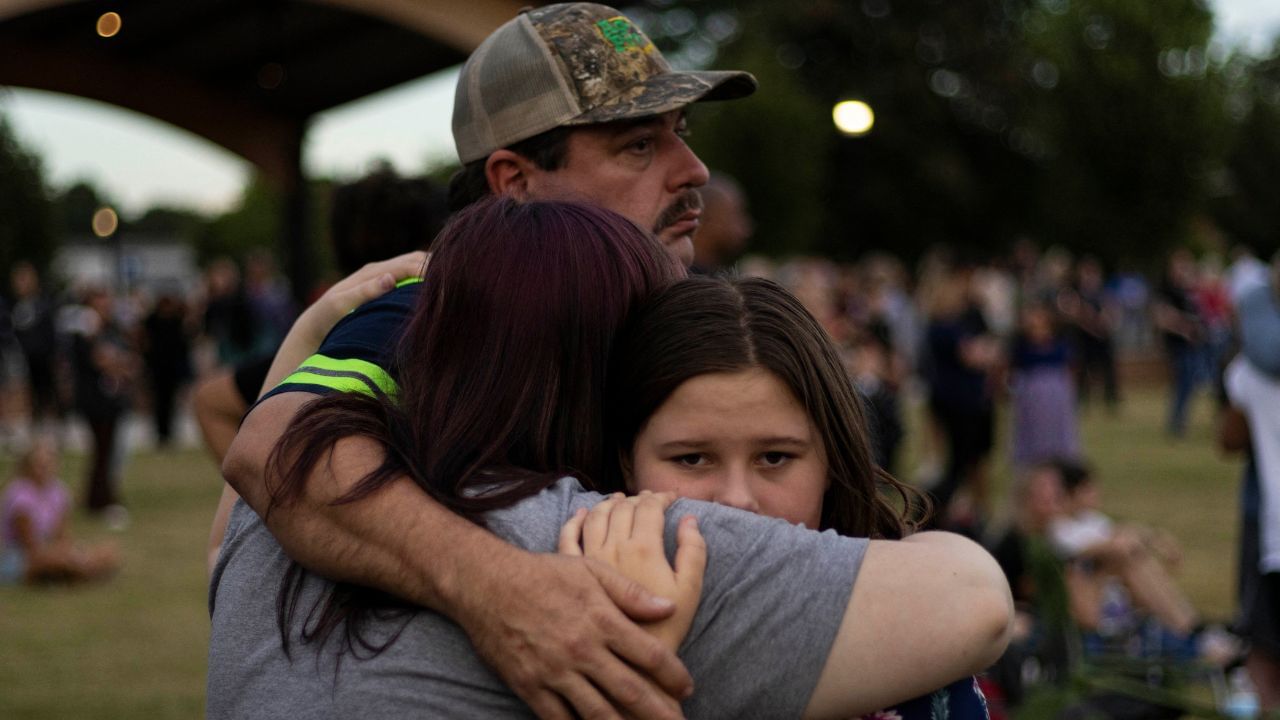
(739, 439)
(42, 464)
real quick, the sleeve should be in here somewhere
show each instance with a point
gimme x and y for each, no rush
(358, 354)
(773, 598)
(1235, 380)
(1260, 330)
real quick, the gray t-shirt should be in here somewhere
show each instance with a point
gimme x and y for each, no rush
(773, 597)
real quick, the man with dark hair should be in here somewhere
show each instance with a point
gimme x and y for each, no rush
(564, 102)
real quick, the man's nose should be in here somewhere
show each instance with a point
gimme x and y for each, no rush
(687, 171)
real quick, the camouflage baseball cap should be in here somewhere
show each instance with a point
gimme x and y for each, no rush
(570, 64)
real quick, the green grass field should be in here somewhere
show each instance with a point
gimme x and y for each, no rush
(135, 646)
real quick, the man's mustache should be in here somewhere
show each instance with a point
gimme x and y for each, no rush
(688, 200)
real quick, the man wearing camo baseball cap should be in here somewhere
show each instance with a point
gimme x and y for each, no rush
(572, 101)
(563, 102)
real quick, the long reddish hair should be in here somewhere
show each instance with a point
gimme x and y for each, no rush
(501, 373)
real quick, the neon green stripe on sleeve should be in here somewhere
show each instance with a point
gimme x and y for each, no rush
(408, 281)
(349, 375)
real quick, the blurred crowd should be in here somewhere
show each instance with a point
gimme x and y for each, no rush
(95, 355)
(1038, 332)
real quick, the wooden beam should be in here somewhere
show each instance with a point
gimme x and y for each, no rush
(460, 24)
(251, 132)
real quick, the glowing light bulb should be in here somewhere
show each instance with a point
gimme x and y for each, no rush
(853, 117)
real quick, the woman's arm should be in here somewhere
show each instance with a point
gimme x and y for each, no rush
(924, 612)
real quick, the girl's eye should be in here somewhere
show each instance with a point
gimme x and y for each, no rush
(690, 460)
(774, 459)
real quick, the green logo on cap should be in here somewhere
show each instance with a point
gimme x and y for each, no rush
(623, 35)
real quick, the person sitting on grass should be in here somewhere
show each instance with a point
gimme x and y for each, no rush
(35, 546)
(1112, 564)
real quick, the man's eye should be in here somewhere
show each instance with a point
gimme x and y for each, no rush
(641, 145)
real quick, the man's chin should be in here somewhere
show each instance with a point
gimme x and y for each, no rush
(679, 247)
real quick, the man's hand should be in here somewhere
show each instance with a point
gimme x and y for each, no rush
(559, 631)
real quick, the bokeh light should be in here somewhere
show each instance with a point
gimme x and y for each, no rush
(109, 24)
(853, 117)
(105, 222)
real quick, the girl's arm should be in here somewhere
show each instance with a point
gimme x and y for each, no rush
(924, 612)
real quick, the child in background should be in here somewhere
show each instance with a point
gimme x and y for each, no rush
(1044, 412)
(34, 543)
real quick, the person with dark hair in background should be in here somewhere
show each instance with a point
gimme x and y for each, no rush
(725, 225)
(33, 325)
(963, 356)
(1183, 332)
(167, 352)
(1090, 310)
(105, 368)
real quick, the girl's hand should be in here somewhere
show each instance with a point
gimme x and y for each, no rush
(625, 533)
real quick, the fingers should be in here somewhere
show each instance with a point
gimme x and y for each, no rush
(651, 517)
(571, 534)
(595, 531)
(645, 653)
(621, 520)
(691, 556)
(586, 699)
(631, 597)
(546, 705)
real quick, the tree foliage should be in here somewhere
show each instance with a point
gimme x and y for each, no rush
(1095, 124)
(1242, 191)
(26, 227)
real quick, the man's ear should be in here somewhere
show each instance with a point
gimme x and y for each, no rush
(508, 174)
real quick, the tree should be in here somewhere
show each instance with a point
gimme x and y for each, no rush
(254, 223)
(1243, 187)
(1132, 127)
(26, 231)
(1088, 123)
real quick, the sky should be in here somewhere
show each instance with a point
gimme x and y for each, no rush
(139, 162)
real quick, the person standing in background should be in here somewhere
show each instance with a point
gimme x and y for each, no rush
(33, 324)
(725, 227)
(104, 367)
(1182, 330)
(167, 352)
(1089, 310)
(1252, 423)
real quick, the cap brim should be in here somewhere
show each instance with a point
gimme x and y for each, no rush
(670, 91)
